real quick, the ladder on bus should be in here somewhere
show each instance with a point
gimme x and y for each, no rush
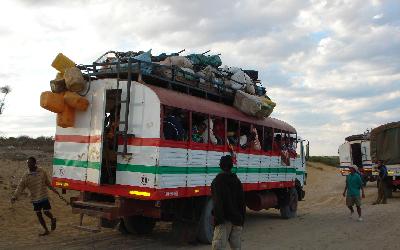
(124, 121)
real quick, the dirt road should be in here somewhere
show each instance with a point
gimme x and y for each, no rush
(322, 221)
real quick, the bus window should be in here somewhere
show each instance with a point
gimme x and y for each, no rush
(232, 132)
(219, 129)
(268, 138)
(244, 137)
(256, 138)
(175, 124)
(200, 129)
(277, 144)
(292, 145)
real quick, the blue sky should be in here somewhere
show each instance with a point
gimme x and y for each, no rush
(333, 67)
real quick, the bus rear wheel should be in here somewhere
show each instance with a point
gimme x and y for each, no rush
(138, 224)
(205, 229)
(288, 206)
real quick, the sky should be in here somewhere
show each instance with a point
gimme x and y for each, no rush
(332, 67)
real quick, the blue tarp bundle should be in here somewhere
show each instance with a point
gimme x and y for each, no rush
(203, 60)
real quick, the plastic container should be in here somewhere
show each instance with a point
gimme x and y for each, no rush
(66, 118)
(53, 102)
(76, 101)
(74, 80)
(62, 63)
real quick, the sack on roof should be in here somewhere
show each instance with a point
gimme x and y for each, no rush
(145, 57)
(179, 61)
(253, 105)
(203, 60)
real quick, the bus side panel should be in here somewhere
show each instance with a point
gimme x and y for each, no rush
(275, 164)
(264, 169)
(197, 163)
(253, 171)
(71, 146)
(139, 169)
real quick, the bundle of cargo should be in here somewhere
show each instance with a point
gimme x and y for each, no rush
(200, 71)
(63, 98)
(257, 106)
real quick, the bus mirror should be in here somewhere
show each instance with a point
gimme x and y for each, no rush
(307, 150)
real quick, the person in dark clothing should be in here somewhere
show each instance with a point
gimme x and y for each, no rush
(229, 207)
(384, 183)
(173, 128)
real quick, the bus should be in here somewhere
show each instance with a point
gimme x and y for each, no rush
(130, 174)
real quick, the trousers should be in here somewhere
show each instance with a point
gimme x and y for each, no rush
(227, 232)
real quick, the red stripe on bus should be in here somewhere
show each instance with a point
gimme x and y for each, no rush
(78, 138)
(141, 141)
(157, 142)
(157, 194)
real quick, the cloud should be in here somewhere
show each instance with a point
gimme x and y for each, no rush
(332, 66)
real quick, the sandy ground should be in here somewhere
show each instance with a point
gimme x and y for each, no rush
(322, 221)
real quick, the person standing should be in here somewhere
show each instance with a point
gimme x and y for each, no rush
(229, 207)
(353, 186)
(37, 182)
(383, 184)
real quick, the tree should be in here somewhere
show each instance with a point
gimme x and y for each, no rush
(5, 90)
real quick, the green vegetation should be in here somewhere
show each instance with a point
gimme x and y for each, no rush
(328, 160)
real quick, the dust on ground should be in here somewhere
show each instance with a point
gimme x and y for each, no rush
(322, 221)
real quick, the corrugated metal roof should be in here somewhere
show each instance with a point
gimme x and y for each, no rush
(197, 104)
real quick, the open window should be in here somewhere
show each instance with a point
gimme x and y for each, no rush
(268, 139)
(218, 129)
(175, 124)
(256, 138)
(244, 136)
(232, 133)
(277, 141)
(200, 125)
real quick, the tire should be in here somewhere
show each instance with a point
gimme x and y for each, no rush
(138, 224)
(288, 206)
(300, 191)
(205, 229)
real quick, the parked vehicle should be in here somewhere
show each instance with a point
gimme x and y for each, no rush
(127, 172)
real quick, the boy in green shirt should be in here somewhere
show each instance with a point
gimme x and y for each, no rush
(353, 186)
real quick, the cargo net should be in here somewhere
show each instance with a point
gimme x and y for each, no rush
(195, 74)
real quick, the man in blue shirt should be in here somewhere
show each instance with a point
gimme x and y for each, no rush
(383, 185)
(353, 186)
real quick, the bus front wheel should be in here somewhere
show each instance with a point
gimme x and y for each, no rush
(288, 206)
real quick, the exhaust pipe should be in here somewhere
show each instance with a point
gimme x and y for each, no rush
(257, 201)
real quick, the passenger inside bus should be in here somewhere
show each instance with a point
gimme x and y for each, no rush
(254, 142)
(197, 131)
(243, 139)
(267, 146)
(209, 130)
(219, 130)
(277, 145)
(232, 133)
(173, 125)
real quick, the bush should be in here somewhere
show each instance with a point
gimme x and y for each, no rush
(327, 160)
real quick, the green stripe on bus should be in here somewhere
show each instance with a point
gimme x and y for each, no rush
(173, 169)
(76, 163)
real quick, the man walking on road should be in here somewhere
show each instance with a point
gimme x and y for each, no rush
(37, 181)
(229, 207)
(383, 184)
(353, 186)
